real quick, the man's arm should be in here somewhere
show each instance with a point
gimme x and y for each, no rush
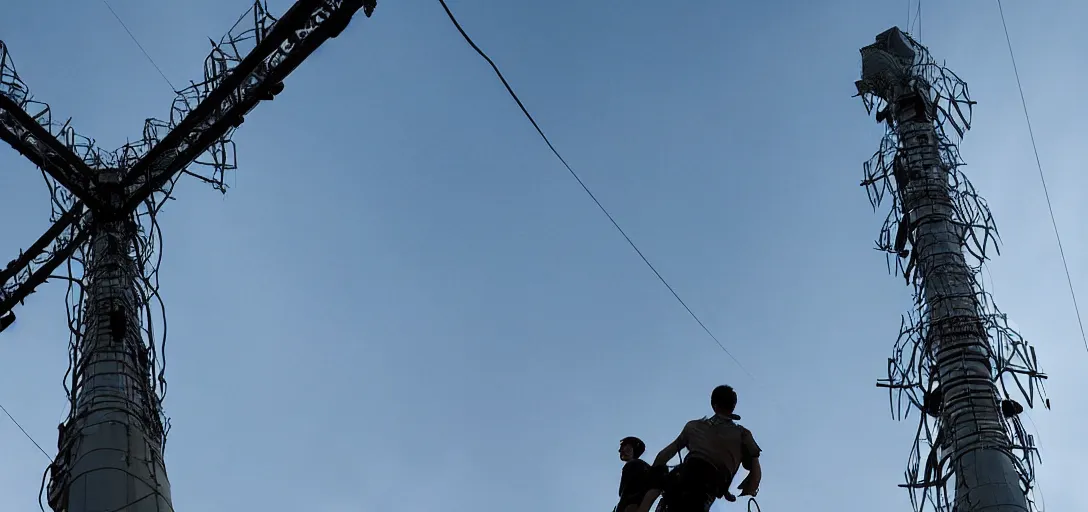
(625, 482)
(648, 500)
(667, 453)
(670, 451)
(626, 479)
(750, 485)
(750, 460)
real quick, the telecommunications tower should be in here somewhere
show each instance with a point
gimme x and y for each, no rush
(105, 233)
(956, 359)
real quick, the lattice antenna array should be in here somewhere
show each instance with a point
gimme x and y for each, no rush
(956, 361)
(105, 232)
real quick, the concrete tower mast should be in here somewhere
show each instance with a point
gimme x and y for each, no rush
(956, 352)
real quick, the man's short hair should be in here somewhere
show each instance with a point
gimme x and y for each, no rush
(723, 398)
(636, 444)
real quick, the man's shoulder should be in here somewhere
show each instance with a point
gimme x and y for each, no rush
(635, 465)
(745, 431)
(729, 423)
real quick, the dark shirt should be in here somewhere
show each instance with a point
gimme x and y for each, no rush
(634, 483)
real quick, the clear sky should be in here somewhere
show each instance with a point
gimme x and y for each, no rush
(406, 303)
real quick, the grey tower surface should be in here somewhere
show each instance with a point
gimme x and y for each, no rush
(955, 352)
(115, 432)
(110, 449)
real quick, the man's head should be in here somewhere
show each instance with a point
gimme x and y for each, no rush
(723, 400)
(631, 448)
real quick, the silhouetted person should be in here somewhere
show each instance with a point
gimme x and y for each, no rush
(636, 482)
(717, 448)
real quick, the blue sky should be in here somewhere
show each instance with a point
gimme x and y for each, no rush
(405, 302)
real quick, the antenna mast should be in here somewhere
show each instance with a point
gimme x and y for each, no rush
(956, 353)
(105, 205)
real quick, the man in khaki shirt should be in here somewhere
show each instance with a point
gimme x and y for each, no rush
(717, 448)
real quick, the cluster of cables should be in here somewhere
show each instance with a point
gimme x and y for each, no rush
(139, 321)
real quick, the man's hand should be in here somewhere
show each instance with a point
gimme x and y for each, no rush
(750, 485)
(747, 487)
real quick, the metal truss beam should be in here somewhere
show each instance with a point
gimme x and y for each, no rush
(235, 85)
